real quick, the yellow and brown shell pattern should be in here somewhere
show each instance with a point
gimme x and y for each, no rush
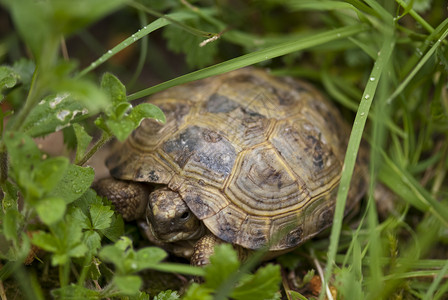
(257, 158)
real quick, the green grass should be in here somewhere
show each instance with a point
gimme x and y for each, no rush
(384, 63)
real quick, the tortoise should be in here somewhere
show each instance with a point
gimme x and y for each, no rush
(244, 158)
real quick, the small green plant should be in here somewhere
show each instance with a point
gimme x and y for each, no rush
(385, 63)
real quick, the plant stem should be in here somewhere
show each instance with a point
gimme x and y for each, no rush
(29, 104)
(105, 137)
(416, 16)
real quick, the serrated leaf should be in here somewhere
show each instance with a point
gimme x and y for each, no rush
(167, 295)
(92, 240)
(264, 284)
(64, 241)
(128, 284)
(100, 216)
(87, 199)
(80, 217)
(75, 292)
(50, 210)
(223, 263)
(54, 113)
(74, 183)
(115, 229)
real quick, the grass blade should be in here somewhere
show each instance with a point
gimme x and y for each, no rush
(157, 24)
(352, 149)
(255, 57)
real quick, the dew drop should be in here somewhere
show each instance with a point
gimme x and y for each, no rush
(372, 78)
(367, 96)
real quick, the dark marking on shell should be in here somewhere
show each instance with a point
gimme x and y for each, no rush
(211, 136)
(294, 237)
(205, 147)
(153, 176)
(317, 151)
(217, 103)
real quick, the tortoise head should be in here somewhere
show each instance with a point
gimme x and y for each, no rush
(170, 218)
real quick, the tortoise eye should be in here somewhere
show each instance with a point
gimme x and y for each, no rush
(185, 215)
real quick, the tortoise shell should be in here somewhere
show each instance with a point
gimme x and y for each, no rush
(257, 158)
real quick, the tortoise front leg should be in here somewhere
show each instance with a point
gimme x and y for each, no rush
(203, 249)
(129, 198)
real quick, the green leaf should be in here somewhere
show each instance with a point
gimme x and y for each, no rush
(80, 217)
(116, 91)
(10, 196)
(20, 145)
(146, 110)
(149, 256)
(264, 284)
(167, 295)
(64, 240)
(114, 255)
(49, 172)
(92, 240)
(100, 216)
(198, 292)
(8, 78)
(51, 210)
(88, 94)
(223, 263)
(11, 222)
(75, 292)
(74, 182)
(121, 128)
(25, 69)
(184, 42)
(128, 284)
(54, 113)
(83, 140)
(45, 241)
(115, 229)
